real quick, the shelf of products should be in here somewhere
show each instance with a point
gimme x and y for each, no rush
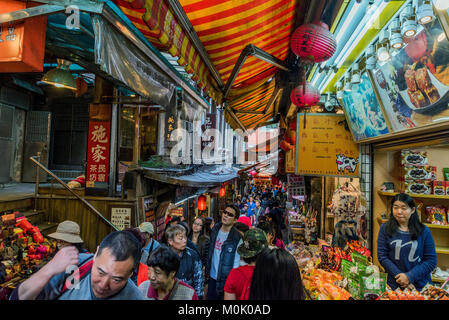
(429, 225)
(415, 195)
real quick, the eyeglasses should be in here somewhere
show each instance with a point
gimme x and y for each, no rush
(229, 214)
(197, 224)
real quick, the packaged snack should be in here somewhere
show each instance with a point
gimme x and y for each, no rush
(418, 186)
(436, 215)
(446, 174)
(419, 172)
(374, 284)
(446, 183)
(410, 157)
(439, 188)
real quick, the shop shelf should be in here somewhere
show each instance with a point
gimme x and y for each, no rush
(438, 280)
(436, 226)
(414, 195)
(442, 250)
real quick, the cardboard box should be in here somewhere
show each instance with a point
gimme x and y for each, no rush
(439, 188)
(418, 187)
(426, 172)
(414, 158)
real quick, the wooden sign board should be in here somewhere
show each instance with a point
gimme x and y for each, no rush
(324, 147)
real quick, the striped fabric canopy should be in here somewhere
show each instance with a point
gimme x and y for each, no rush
(225, 28)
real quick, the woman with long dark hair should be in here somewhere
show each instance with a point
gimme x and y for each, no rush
(405, 246)
(276, 277)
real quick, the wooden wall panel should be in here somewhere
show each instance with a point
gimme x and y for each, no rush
(93, 228)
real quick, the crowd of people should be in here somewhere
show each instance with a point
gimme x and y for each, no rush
(228, 259)
(242, 256)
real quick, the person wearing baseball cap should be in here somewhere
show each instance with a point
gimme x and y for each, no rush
(67, 234)
(147, 230)
(238, 283)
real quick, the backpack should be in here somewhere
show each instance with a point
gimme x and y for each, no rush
(79, 274)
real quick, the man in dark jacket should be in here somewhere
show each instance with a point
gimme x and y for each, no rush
(222, 256)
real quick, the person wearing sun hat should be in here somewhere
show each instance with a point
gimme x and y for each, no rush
(238, 283)
(67, 234)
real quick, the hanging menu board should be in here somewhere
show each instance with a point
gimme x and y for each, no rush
(325, 147)
(413, 86)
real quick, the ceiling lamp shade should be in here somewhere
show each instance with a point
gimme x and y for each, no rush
(383, 54)
(395, 34)
(355, 79)
(339, 90)
(409, 27)
(425, 12)
(313, 42)
(202, 203)
(305, 99)
(347, 86)
(61, 76)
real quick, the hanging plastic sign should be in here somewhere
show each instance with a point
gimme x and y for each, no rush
(22, 43)
(325, 147)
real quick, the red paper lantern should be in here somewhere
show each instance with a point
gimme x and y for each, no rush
(222, 191)
(310, 97)
(253, 173)
(202, 203)
(313, 42)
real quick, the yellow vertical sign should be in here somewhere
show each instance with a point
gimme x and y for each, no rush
(325, 147)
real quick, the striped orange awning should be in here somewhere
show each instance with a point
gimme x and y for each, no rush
(225, 28)
(251, 108)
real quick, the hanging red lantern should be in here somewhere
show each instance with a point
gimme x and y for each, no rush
(253, 173)
(305, 98)
(202, 203)
(222, 191)
(313, 43)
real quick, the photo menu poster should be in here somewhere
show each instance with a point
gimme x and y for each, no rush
(413, 86)
(325, 147)
(363, 112)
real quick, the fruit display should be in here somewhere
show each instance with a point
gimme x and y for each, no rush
(324, 285)
(399, 294)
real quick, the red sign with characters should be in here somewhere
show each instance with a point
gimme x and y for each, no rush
(97, 169)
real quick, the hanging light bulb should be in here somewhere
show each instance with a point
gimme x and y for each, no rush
(425, 12)
(355, 79)
(409, 26)
(441, 4)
